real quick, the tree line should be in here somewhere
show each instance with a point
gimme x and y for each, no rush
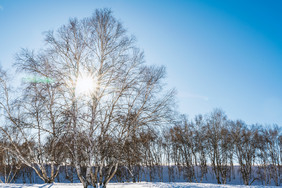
(222, 144)
(125, 123)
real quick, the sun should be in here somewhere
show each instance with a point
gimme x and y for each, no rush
(86, 85)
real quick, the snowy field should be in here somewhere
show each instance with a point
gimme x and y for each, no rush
(130, 185)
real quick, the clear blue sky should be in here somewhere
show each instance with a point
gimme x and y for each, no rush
(225, 54)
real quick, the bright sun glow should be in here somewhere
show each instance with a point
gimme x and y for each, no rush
(85, 86)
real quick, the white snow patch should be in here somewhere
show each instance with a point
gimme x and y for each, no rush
(131, 185)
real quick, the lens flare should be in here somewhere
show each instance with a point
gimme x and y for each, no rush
(85, 85)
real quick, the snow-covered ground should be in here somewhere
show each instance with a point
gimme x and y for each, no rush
(130, 185)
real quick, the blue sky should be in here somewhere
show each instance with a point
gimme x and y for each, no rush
(219, 54)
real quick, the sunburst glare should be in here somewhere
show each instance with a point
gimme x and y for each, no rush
(85, 85)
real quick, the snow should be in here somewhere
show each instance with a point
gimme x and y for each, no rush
(130, 185)
(165, 179)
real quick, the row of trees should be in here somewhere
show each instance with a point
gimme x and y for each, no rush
(222, 144)
(211, 146)
(206, 147)
(124, 122)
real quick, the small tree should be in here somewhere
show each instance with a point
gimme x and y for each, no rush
(245, 141)
(9, 165)
(219, 146)
(273, 149)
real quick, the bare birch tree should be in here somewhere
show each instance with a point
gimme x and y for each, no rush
(127, 95)
(245, 140)
(273, 150)
(33, 118)
(218, 144)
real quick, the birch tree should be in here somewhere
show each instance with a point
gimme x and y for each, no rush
(33, 118)
(218, 144)
(245, 140)
(109, 93)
